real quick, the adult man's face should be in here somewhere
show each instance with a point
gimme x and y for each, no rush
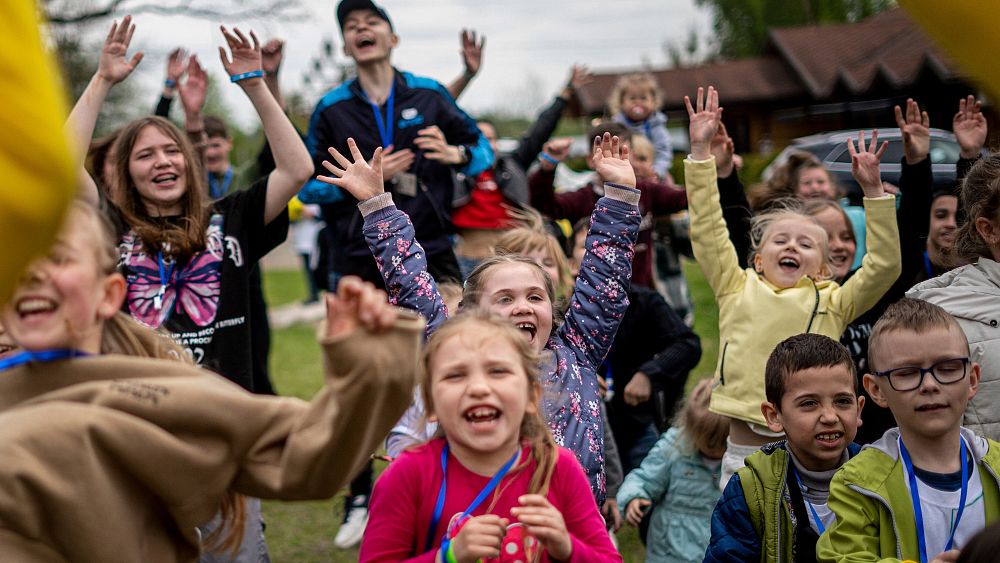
(367, 37)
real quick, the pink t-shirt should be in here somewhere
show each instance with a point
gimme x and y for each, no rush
(402, 505)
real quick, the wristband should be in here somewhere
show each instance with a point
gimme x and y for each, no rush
(246, 75)
(548, 158)
(449, 555)
(170, 83)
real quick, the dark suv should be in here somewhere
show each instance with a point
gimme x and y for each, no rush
(831, 148)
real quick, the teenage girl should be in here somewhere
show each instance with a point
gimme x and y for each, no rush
(517, 289)
(187, 261)
(787, 290)
(120, 458)
(492, 485)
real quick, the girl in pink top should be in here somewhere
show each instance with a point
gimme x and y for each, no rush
(493, 486)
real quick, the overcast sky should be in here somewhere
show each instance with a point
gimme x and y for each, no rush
(530, 43)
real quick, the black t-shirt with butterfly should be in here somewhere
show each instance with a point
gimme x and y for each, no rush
(204, 302)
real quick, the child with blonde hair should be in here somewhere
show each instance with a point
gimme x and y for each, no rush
(492, 485)
(680, 479)
(635, 102)
(788, 289)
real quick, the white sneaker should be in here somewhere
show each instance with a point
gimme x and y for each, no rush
(353, 527)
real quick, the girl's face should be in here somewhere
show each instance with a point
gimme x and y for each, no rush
(159, 172)
(516, 292)
(547, 263)
(814, 182)
(943, 225)
(793, 248)
(64, 297)
(480, 394)
(841, 240)
(638, 103)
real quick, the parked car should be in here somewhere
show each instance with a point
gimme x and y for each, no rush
(831, 149)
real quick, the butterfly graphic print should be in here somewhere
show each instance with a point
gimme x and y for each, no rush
(193, 288)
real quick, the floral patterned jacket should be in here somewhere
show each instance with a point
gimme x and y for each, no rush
(570, 399)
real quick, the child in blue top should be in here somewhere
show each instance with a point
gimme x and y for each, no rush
(635, 103)
(516, 288)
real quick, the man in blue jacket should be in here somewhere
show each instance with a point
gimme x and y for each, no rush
(430, 138)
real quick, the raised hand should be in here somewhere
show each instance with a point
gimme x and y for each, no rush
(865, 163)
(704, 120)
(271, 55)
(546, 523)
(558, 149)
(357, 304)
(916, 129)
(969, 127)
(395, 162)
(479, 538)
(246, 54)
(472, 51)
(579, 76)
(431, 140)
(194, 89)
(610, 160)
(361, 179)
(723, 150)
(176, 62)
(114, 66)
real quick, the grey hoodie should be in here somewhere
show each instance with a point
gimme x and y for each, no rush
(971, 294)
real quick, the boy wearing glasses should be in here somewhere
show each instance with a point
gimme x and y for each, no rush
(923, 490)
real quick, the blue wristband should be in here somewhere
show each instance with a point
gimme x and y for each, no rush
(170, 83)
(245, 75)
(548, 158)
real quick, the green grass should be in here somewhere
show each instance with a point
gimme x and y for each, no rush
(303, 531)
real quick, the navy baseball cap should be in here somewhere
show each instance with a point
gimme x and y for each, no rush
(347, 6)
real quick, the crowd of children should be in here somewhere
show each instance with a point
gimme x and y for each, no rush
(523, 379)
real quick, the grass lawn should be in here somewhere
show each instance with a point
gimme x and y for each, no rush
(303, 531)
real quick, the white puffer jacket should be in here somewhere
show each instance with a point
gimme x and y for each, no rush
(972, 295)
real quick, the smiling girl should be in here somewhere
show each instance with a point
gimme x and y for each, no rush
(517, 288)
(492, 485)
(787, 290)
(186, 260)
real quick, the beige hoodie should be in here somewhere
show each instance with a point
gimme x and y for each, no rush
(112, 458)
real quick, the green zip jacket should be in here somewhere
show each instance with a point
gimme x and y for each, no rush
(870, 497)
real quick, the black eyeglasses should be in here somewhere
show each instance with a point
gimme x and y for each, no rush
(911, 377)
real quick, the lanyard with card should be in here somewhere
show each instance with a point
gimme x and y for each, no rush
(915, 498)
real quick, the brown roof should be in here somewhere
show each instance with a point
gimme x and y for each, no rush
(803, 61)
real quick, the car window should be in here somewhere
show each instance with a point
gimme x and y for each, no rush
(944, 152)
(893, 153)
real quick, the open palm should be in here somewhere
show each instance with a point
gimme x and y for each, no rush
(114, 66)
(246, 55)
(360, 179)
(611, 160)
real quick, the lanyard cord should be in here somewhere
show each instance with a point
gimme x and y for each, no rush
(385, 126)
(915, 498)
(40, 356)
(819, 523)
(217, 191)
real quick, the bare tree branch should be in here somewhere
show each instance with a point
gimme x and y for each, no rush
(287, 10)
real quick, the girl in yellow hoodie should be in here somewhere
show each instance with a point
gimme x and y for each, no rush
(788, 289)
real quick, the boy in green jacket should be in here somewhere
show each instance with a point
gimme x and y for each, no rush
(926, 488)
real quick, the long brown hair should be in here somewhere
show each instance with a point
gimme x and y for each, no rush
(183, 238)
(980, 198)
(121, 334)
(533, 431)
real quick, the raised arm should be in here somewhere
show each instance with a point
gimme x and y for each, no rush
(599, 298)
(175, 69)
(114, 66)
(969, 126)
(193, 92)
(472, 59)
(881, 265)
(710, 242)
(732, 196)
(545, 124)
(292, 163)
(916, 183)
(390, 235)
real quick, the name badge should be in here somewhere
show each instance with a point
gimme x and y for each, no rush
(406, 184)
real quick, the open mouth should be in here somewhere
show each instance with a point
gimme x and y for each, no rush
(839, 259)
(830, 437)
(365, 42)
(529, 329)
(6, 349)
(788, 264)
(33, 306)
(165, 179)
(481, 415)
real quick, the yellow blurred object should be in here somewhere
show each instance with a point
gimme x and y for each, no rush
(967, 30)
(295, 207)
(36, 165)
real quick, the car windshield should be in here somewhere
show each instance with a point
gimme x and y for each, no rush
(944, 152)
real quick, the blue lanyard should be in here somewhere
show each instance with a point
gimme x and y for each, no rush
(384, 125)
(164, 279)
(439, 506)
(214, 189)
(927, 265)
(41, 356)
(819, 523)
(915, 498)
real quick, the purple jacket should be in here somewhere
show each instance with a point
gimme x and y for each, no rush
(570, 400)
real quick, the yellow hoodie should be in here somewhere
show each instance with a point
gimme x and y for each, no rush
(38, 173)
(754, 315)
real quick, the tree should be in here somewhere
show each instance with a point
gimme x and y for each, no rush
(741, 26)
(63, 12)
